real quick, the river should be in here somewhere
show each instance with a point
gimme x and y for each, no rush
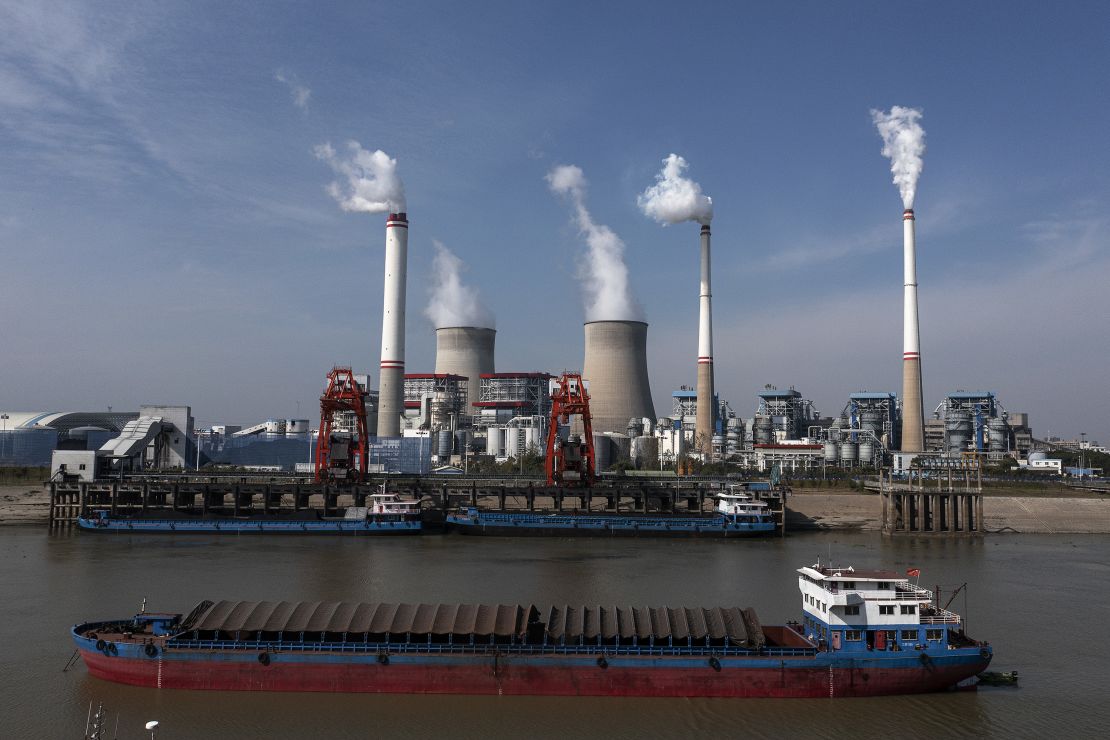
(1039, 599)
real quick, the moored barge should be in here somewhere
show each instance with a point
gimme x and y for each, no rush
(863, 633)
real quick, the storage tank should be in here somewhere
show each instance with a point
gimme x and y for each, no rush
(443, 444)
(275, 426)
(296, 426)
(615, 366)
(603, 452)
(849, 453)
(462, 439)
(495, 441)
(645, 452)
(832, 452)
(867, 453)
(957, 431)
(635, 427)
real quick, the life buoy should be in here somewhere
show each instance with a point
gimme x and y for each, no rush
(150, 650)
(383, 658)
(714, 663)
(264, 658)
(984, 653)
(602, 663)
(100, 645)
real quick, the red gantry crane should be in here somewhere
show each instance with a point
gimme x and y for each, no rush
(341, 455)
(570, 462)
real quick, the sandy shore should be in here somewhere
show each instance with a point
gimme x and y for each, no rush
(29, 505)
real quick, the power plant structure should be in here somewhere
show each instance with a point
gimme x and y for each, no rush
(706, 398)
(974, 421)
(615, 368)
(391, 387)
(913, 411)
(467, 351)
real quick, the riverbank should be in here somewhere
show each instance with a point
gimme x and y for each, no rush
(1036, 512)
(1004, 511)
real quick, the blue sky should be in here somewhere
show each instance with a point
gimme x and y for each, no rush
(166, 237)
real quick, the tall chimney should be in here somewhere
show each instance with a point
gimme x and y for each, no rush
(703, 432)
(466, 350)
(913, 415)
(391, 388)
(615, 366)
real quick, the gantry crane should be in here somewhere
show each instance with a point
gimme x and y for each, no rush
(341, 455)
(570, 462)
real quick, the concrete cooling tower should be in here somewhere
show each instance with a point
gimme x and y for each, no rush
(465, 350)
(615, 366)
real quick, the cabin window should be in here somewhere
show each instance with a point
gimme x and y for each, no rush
(851, 610)
(824, 607)
(908, 608)
(909, 634)
(848, 584)
(852, 635)
(886, 608)
(934, 635)
(891, 635)
(81, 466)
(884, 585)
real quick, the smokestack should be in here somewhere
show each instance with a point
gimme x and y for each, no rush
(703, 433)
(391, 388)
(465, 350)
(913, 416)
(616, 367)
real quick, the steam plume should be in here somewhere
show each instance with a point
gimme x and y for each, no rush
(904, 144)
(608, 295)
(372, 183)
(674, 198)
(452, 302)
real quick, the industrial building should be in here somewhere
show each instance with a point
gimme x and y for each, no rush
(616, 372)
(28, 438)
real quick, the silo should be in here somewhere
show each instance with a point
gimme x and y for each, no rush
(296, 426)
(867, 453)
(762, 430)
(645, 452)
(832, 452)
(466, 351)
(849, 454)
(957, 431)
(615, 366)
(443, 444)
(999, 431)
(275, 426)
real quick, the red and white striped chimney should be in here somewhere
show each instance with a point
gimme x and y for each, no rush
(391, 387)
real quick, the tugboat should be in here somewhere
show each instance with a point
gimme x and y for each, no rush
(386, 514)
(737, 514)
(863, 633)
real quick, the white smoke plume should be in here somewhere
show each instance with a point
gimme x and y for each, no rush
(452, 302)
(674, 198)
(608, 294)
(904, 144)
(372, 183)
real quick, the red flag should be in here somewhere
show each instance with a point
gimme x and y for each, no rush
(913, 572)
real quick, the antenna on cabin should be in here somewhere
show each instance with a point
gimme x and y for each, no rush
(142, 608)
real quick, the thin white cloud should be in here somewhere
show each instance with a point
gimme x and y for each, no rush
(298, 90)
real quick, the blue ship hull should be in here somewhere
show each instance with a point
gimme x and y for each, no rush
(251, 526)
(567, 525)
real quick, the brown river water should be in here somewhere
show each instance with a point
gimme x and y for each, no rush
(1042, 600)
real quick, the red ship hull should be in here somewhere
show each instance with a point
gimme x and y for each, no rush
(793, 677)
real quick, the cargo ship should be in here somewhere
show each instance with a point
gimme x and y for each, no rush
(737, 515)
(385, 514)
(862, 633)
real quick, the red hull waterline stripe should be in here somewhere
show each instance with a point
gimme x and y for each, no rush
(396, 675)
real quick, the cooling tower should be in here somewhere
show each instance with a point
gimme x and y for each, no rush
(913, 416)
(704, 430)
(615, 366)
(465, 350)
(391, 388)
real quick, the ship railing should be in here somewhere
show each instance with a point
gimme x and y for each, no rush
(373, 648)
(942, 616)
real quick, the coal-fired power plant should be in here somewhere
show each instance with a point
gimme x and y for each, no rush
(391, 395)
(615, 367)
(913, 417)
(704, 430)
(466, 351)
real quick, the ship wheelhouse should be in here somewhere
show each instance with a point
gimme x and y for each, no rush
(844, 609)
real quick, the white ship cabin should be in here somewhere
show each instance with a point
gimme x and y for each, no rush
(741, 507)
(849, 609)
(385, 504)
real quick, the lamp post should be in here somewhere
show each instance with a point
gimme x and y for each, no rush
(5, 417)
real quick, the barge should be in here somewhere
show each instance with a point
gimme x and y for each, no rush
(737, 515)
(386, 514)
(863, 633)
